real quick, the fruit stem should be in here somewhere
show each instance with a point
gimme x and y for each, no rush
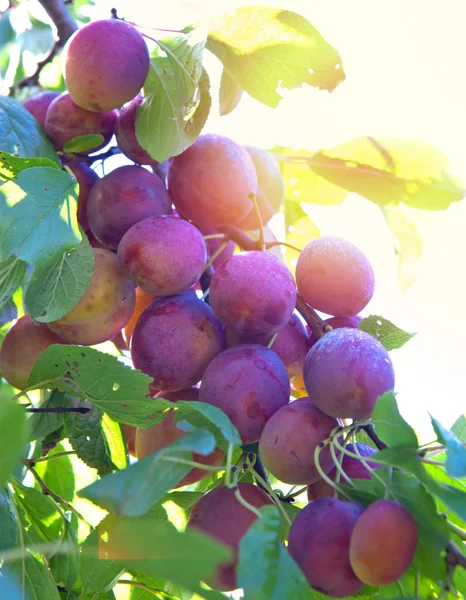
(272, 494)
(229, 462)
(245, 503)
(317, 325)
(191, 463)
(219, 250)
(240, 238)
(269, 245)
(33, 461)
(461, 533)
(273, 338)
(338, 460)
(261, 241)
(157, 593)
(324, 476)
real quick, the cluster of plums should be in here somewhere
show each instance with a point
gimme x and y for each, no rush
(241, 351)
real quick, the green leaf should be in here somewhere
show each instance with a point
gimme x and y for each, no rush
(8, 523)
(459, 428)
(229, 95)
(35, 578)
(11, 165)
(84, 143)
(390, 425)
(209, 417)
(389, 335)
(87, 437)
(266, 48)
(265, 569)
(20, 133)
(54, 290)
(176, 97)
(58, 474)
(114, 434)
(389, 171)
(456, 451)
(42, 424)
(97, 575)
(64, 565)
(41, 511)
(38, 219)
(134, 490)
(409, 246)
(13, 435)
(118, 390)
(12, 275)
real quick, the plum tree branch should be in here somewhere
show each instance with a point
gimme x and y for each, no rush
(317, 325)
(369, 429)
(65, 26)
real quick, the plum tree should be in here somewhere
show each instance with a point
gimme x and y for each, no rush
(319, 541)
(249, 383)
(210, 182)
(220, 515)
(65, 120)
(253, 292)
(38, 105)
(270, 188)
(125, 133)
(353, 468)
(104, 308)
(99, 80)
(334, 276)
(123, 198)
(376, 563)
(164, 256)
(288, 441)
(345, 373)
(175, 339)
(86, 177)
(164, 433)
(22, 346)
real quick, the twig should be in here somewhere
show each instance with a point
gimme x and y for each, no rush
(454, 556)
(32, 461)
(240, 238)
(65, 25)
(369, 429)
(48, 492)
(143, 586)
(317, 325)
(89, 160)
(59, 410)
(269, 245)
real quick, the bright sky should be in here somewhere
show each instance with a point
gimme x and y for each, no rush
(404, 63)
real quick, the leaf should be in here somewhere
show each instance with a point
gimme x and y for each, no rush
(42, 424)
(64, 565)
(8, 523)
(35, 579)
(84, 143)
(176, 97)
(265, 569)
(58, 474)
(85, 372)
(229, 95)
(55, 289)
(390, 425)
(459, 428)
(389, 171)
(12, 275)
(38, 219)
(20, 133)
(211, 418)
(97, 575)
(113, 432)
(390, 336)
(13, 435)
(86, 436)
(456, 451)
(41, 511)
(11, 165)
(132, 491)
(409, 248)
(265, 49)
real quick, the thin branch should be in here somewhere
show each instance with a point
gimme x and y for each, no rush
(59, 410)
(454, 556)
(317, 325)
(157, 593)
(240, 238)
(65, 25)
(369, 429)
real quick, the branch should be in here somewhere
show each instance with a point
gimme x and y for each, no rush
(455, 557)
(59, 410)
(317, 325)
(65, 25)
(369, 429)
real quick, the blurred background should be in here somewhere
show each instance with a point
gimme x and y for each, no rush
(404, 79)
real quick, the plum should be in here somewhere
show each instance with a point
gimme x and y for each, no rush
(86, 177)
(104, 308)
(125, 133)
(37, 105)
